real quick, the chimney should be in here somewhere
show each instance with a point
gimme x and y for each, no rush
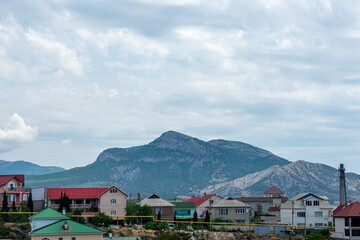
(204, 193)
(138, 198)
(343, 199)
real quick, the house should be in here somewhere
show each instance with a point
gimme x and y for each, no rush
(269, 204)
(13, 185)
(201, 203)
(306, 209)
(111, 200)
(230, 210)
(38, 197)
(158, 204)
(347, 221)
(49, 224)
(184, 210)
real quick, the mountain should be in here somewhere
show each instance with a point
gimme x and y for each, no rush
(294, 178)
(26, 168)
(170, 165)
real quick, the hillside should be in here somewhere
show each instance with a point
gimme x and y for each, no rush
(26, 168)
(294, 178)
(170, 165)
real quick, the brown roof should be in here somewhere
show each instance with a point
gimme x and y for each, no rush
(351, 210)
(273, 190)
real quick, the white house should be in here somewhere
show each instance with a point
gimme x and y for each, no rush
(347, 221)
(306, 209)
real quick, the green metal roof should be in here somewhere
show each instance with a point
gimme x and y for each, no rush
(73, 228)
(49, 213)
(184, 205)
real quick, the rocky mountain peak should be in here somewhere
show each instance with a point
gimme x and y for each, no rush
(178, 141)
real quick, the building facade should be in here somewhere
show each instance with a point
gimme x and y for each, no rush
(111, 201)
(347, 221)
(159, 205)
(202, 203)
(231, 210)
(13, 186)
(306, 209)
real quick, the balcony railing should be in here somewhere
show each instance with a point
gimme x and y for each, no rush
(73, 205)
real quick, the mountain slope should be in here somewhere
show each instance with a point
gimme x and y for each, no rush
(294, 178)
(172, 164)
(26, 168)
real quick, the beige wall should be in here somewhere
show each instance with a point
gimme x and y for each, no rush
(68, 237)
(106, 206)
(214, 213)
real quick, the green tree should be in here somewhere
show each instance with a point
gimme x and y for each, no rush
(30, 203)
(207, 218)
(5, 207)
(66, 202)
(168, 236)
(13, 207)
(195, 217)
(132, 209)
(61, 202)
(159, 215)
(101, 219)
(145, 210)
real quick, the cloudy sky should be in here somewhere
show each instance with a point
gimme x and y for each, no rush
(77, 77)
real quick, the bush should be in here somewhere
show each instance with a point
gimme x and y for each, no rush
(315, 236)
(101, 219)
(325, 232)
(156, 226)
(168, 236)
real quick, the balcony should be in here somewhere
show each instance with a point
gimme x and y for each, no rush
(72, 206)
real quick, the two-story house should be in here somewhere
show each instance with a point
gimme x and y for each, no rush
(231, 210)
(111, 200)
(201, 203)
(13, 185)
(347, 221)
(306, 209)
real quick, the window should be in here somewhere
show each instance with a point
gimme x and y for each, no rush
(113, 201)
(158, 210)
(240, 211)
(60, 238)
(301, 224)
(316, 203)
(300, 214)
(113, 213)
(45, 239)
(318, 214)
(73, 238)
(240, 221)
(308, 203)
(223, 211)
(318, 224)
(113, 190)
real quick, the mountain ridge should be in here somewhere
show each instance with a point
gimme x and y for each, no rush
(26, 168)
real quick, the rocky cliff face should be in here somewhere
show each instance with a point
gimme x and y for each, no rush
(294, 178)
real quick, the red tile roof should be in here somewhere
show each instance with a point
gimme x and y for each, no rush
(55, 193)
(351, 210)
(274, 209)
(273, 190)
(199, 200)
(4, 179)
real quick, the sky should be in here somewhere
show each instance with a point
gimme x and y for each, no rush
(78, 77)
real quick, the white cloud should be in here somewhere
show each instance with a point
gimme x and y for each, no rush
(56, 52)
(113, 93)
(66, 141)
(16, 133)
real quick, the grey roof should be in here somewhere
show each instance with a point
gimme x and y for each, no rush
(297, 202)
(229, 202)
(155, 201)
